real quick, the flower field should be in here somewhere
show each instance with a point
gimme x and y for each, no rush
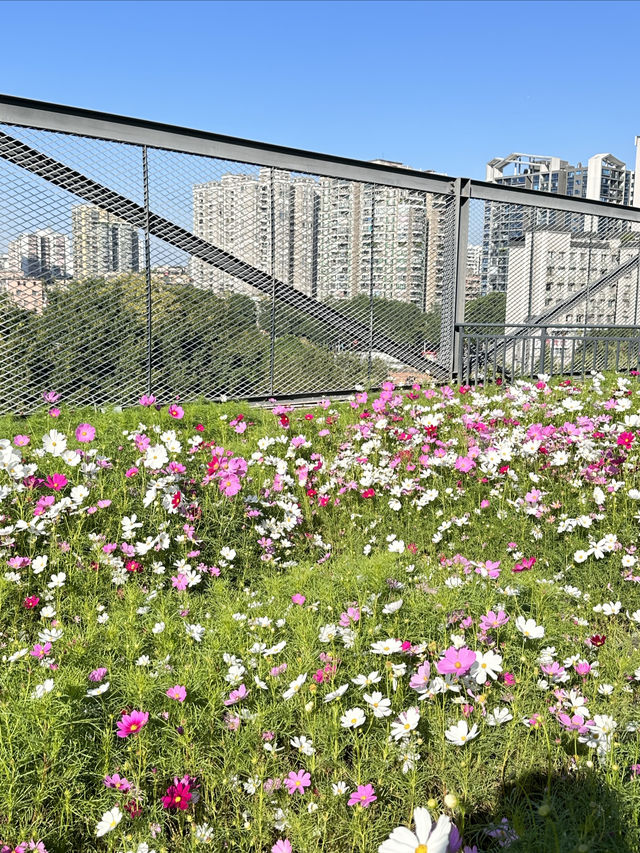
(409, 623)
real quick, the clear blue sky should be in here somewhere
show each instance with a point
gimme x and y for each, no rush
(443, 86)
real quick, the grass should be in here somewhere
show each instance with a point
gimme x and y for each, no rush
(338, 549)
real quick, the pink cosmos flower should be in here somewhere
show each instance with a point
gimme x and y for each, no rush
(420, 679)
(363, 796)
(176, 412)
(118, 782)
(98, 674)
(50, 397)
(56, 482)
(180, 581)
(147, 400)
(282, 845)
(85, 433)
(39, 651)
(464, 464)
(237, 695)
(31, 601)
(21, 440)
(230, 485)
(298, 781)
(54, 412)
(493, 620)
(131, 472)
(178, 796)
(298, 598)
(177, 692)
(132, 723)
(456, 661)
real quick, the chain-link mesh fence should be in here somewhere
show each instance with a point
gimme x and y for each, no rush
(128, 267)
(549, 291)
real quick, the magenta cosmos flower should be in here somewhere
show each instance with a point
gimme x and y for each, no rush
(130, 724)
(56, 482)
(118, 782)
(178, 796)
(85, 433)
(147, 400)
(297, 781)
(177, 692)
(176, 412)
(298, 598)
(363, 796)
(456, 661)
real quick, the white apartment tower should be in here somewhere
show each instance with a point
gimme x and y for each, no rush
(40, 254)
(102, 243)
(234, 213)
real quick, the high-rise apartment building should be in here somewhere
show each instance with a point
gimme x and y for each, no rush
(604, 178)
(234, 213)
(547, 267)
(40, 254)
(102, 243)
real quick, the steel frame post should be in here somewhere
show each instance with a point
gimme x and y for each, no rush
(147, 262)
(462, 191)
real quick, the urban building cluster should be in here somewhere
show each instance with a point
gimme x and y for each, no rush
(337, 239)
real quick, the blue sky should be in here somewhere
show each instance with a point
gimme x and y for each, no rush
(442, 86)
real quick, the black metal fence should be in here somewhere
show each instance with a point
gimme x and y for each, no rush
(136, 258)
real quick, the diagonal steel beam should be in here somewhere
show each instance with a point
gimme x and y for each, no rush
(63, 176)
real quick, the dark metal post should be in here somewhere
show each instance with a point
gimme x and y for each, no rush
(460, 247)
(272, 355)
(543, 340)
(371, 274)
(147, 261)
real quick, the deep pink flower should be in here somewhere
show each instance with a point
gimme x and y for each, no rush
(176, 412)
(456, 661)
(178, 796)
(363, 796)
(625, 439)
(177, 692)
(54, 412)
(298, 781)
(56, 482)
(132, 723)
(85, 433)
(31, 601)
(131, 472)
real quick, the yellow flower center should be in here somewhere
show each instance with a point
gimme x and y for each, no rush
(134, 727)
(421, 848)
(178, 799)
(457, 664)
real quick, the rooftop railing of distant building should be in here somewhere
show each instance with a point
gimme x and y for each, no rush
(179, 262)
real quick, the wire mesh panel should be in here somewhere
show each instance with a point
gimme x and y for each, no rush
(529, 268)
(71, 288)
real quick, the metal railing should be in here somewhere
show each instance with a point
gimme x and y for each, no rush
(140, 257)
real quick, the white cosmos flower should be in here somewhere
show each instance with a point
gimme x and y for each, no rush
(529, 628)
(428, 837)
(54, 442)
(337, 693)
(386, 647)
(97, 691)
(158, 628)
(108, 821)
(381, 705)
(459, 733)
(79, 493)
(353, 718)
(405, 724)
(196, 632)
(392, 607)
(156, 457)
(373, 678)
(580, 556)
(42, 689)
(499, 716)
(486, 666)
(294, 686)
(57, 581)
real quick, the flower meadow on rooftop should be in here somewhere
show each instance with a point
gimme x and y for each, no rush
(408, 623)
